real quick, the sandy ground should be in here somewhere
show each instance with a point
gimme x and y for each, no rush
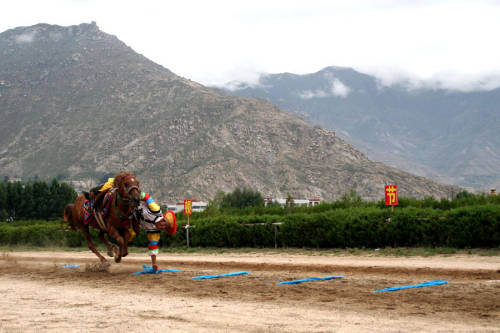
(36, 294)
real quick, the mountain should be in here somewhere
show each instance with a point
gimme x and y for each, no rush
(450, 136)
(79, 104)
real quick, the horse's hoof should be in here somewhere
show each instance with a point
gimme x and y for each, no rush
(118, 259)
(110, 252)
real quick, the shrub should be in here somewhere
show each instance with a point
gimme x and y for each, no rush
(468, 226)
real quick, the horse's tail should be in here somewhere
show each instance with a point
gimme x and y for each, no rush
(68, 215)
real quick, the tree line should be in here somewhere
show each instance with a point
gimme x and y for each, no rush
(241, 219)
(244, 201)
(34, 200)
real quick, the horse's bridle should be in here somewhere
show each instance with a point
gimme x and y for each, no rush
(129, 189)
(118, 199)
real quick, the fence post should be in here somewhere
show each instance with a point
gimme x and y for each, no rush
(187, 226)
(276, 224)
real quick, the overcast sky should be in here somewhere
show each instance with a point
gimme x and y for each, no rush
(448, 43)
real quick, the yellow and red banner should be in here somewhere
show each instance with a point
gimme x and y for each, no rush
(391, 195)
(187, 207)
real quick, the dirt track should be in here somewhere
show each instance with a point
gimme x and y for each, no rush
(36, 294)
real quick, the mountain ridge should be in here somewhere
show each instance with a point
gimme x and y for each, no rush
(450, 136)
(78, 104)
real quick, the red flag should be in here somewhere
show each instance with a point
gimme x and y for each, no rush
(391, 195)
(187, 207)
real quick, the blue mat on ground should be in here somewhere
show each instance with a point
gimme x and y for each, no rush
(219, 276)
(310, 279)
(70, 266)
(424, 284)
(149, 270)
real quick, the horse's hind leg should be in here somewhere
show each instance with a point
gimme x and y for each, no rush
(110, 246)
(68, 216)
(91, 245)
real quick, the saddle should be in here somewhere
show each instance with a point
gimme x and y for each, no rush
(97, 208)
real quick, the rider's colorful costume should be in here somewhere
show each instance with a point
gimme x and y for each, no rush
(103, 187)
(148, 213)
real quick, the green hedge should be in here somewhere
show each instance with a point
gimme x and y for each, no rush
(32, 233)
(371, 227)
(473, 226)
(477, 226)
(54, 233)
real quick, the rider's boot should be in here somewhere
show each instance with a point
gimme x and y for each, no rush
(153, 262)
(98, 199)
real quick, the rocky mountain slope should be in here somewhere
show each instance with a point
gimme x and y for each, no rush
(77, 103)
(450, 136)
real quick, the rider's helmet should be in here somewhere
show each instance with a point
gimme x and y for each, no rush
(169, 216)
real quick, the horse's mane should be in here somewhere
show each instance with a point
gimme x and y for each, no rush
(121, 176)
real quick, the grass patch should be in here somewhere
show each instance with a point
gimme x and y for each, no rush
(418, 251)
(31, 248)
(487, 252)
(382, 252)
(434, 251)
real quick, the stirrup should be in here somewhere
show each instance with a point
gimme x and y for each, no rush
(99, 219)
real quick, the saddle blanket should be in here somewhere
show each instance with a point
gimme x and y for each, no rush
(88, 209)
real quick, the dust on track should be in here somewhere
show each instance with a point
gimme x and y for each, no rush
(473, 296)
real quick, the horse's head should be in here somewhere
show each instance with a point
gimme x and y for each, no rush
(128, 185)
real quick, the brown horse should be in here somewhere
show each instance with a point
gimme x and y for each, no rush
(118, 220)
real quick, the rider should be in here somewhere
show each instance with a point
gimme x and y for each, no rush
(101, 188)
(148, 214)
(152, 221)
(104, 187)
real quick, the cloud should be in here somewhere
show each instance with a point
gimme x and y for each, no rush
(26, 38)
(240, 85)
(236, 77)
(444, 80)
(463, 82)
(339, 89)
(228, 40)
(308, 94)
(243, 77)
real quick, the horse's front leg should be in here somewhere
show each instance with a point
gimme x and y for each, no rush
(110, 246)
(113, 232)
(127, 236)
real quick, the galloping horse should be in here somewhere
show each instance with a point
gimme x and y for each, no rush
(117, 221)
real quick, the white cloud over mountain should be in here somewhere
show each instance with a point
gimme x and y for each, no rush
(442, 43)
(340, 89)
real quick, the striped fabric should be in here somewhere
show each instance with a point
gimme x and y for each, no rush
(153, 206)
(153, 239)
(146, 218)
